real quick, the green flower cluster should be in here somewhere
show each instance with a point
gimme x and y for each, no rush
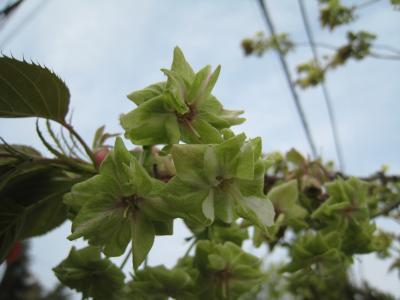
(181, 108)
(215, 179)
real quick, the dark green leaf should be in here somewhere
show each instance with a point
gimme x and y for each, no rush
(11, 221)
(30, 90)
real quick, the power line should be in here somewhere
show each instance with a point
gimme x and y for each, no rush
(8, 11)
(325, 93)
(27, 19)
(285, 67)
(10, 8)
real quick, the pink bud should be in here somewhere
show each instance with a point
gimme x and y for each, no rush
(100, 154)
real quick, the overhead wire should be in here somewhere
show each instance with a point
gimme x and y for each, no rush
(328, 100)
(25, 21)
(284, 64)
(7, 11)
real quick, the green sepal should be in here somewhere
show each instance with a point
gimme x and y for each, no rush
(225, 269)
(160, 283)
(203, 84)
(181, 66)
(285, 200)
(143, 233)
(120, 205)
(181, 109)
(347, 202)
(319, 248)
(220, 181)
(151, 123)
(176, 92)
(87, 272)
(148, 93)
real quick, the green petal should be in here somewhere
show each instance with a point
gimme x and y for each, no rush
(142, 238)
(258, 210)
(102, 222)
(146, 124)
(211, 165)
(224, 206)
(78, 269)
(189, 163)
(284, 196)
(200, 132)
(208, 206)
(181, 66)
(245, 166)
(203, 84)
(148, 93)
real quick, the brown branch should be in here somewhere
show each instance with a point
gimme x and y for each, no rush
(386, 210)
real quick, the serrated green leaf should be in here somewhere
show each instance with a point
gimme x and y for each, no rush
(30, 90)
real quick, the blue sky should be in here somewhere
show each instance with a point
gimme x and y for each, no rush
(106, 49)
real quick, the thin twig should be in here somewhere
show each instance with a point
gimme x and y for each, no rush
(54, 138)
(66, 143)
(386, 209)
(126, 258)
(190, 247)
(49, 147)
(384, 56)
(395, 56)
(82, 142)
(365, 4)
(387, 47)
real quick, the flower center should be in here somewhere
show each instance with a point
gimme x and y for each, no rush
(187, 117)
(131, 204)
